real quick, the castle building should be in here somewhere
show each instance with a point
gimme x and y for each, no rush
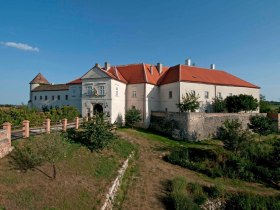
(115, 89)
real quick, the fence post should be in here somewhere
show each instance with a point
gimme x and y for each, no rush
(64, 125)
(25, 129)
(77, 123)
(48, 126)
(7, 127)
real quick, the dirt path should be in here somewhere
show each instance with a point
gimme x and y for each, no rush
(148, 190)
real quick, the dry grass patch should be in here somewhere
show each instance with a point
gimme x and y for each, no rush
(83, 178)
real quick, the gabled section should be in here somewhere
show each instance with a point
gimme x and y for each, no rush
(96, 72)
(40, 79)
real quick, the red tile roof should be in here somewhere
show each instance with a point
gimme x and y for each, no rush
(201, 75)
(146, 73)
(39, 79)
(75, 82)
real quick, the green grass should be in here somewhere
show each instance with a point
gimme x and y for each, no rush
(82, 179)
(167, 144)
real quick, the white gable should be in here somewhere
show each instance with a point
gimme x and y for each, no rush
(95, 72)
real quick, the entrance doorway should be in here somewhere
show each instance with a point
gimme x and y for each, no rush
(97, 109)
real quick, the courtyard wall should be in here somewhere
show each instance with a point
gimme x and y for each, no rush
(194, 125)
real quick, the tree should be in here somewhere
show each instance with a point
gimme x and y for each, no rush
(264, 105)
(218, 105)
(189, 102)
(241, 103)
(233, 136)
(261, 125)
(34, 152)
(132, 116)
(96, 134)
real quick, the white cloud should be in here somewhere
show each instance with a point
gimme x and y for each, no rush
(20, 46)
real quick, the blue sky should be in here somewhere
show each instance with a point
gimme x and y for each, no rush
(63, 39)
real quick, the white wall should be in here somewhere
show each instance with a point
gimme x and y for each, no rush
(88, 102)
(75, 96)
(38, 103)
(118, 105)
(167, 103)
(213, 90)
(152, 102)
(139, 100)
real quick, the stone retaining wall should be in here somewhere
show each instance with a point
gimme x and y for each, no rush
(5, 144)
(194, 125)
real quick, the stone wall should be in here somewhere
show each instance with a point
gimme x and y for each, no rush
(194, 125)
(5, 144)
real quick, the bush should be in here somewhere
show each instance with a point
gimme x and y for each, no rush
(233, 136)
(261, 125)
(95, 134)
(179, 196)
(214, 191)
(132, 116)
(189, 103)
(242, 201)
(218, 105)
(33, 152)
(241, 103)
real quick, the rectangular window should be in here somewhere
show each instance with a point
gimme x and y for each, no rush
(46, 98)
(89, 90)
(170, 94)
(66, 97)
(101, 90)
(117, 91)
(58, 97)
(134, 94)
(41, 97)
(35, 98)
(219, 94)
(206, 94)
(53, 98)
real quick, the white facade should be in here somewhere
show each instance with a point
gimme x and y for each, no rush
(100, 91)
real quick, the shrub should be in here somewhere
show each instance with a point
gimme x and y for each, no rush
(179, 197)
(244, 201)
(132, 116)
(233, 136)
(241, 103)
(214, 191)
(261, 125)
(189, 103)
(218, 105)
(96, 134)
(33, 152)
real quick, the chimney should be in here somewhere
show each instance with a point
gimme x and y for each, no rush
(159, 67)
(107, 66)
(151, 69)
(212, 66)
(97, 65)
(188, 62)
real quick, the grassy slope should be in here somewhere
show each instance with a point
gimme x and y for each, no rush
(229, 184)
(83, 178)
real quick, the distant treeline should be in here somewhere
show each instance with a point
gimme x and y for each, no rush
(16, 114)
